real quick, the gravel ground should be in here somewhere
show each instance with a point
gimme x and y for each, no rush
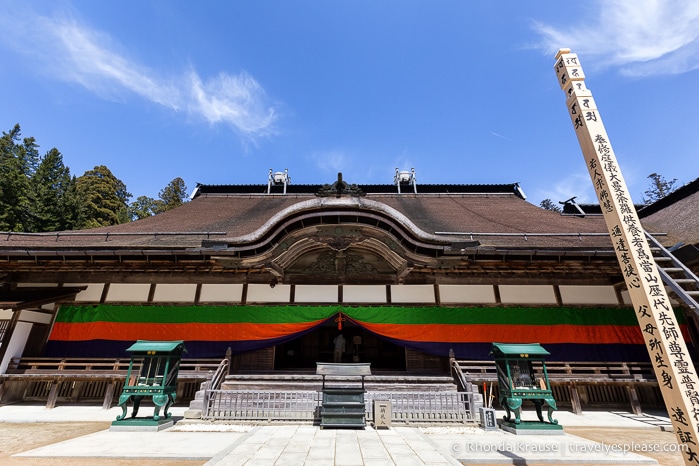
(648, 439)
(20, 437)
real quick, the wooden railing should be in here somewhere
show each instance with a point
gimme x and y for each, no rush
(575, 371)
(297, 405)
(584, 383)
(75, 379)
(190, 367)
(86, 378)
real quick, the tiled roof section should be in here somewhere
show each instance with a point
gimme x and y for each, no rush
(688, 190)
(495, 220)
(499, 220)
(676, 214)
(366, 188)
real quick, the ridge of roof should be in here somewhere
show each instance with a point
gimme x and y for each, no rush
(675, 196)
(312, 189)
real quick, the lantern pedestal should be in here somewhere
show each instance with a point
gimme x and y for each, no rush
(531, 428)
(141, 424)
(520, 380)
(152, 374)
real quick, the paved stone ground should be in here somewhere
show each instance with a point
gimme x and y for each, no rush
(84, 431)
(17, 438)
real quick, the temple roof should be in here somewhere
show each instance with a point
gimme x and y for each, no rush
(676, 214)
(492, 216)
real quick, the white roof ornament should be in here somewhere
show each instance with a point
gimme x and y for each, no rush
(278, 179)
(405, 178)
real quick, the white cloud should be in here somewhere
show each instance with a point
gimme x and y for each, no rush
(83, 56)
(331, 161)
(68, 50)
(641, 38)
(237, 100)
(575, 185)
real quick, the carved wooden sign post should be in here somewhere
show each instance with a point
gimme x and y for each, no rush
(673, 366)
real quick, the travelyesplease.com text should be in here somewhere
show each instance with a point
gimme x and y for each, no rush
(565, 448)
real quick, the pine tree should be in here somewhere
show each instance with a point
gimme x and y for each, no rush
(104, 199)
(143, 207)
(660, 187)
(15, 171)
(173, 195)
(51, 187)
(548, 204)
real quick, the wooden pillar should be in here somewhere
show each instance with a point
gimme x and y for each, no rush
(575, 399)
(661, 332)
(179, 391)
(75, 392)
(53, 394)
(633, 398)
(108, 395)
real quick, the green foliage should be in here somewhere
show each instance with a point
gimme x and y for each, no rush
(173, 195)
(143, 207)
(39, 194)
(52, 195)
(16, 162)
(660, 187)
(104, 199)
(548, 204)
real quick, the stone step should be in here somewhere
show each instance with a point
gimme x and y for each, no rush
(377, 378)
(197, 404)
(317, 387)
(312, 382)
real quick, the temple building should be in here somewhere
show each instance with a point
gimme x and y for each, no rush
(408, 273)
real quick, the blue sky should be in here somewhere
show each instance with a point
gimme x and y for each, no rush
(219, 92)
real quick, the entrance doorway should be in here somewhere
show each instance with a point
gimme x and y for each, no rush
(360, 346)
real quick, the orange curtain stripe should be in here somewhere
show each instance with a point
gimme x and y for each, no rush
(127, 331)
(562, 333)
(509, 333)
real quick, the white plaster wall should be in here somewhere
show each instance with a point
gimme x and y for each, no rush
(364, 294)
(35, 317)
(221, 293)
(175, 293)
(128, 292)
(423, 294)
(261, 293)
(626, 297)
(92, 294)
(527, 294)
(587, 294)
(16, 345)
(467, 294)
(315, 294)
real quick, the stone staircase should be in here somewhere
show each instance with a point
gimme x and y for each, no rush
(280, 381)
(287, 381)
